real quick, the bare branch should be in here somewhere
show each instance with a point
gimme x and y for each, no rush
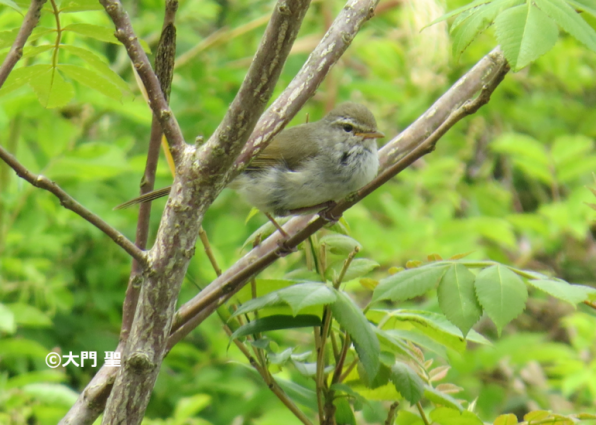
(485, 76)
(164, 68)
(157, 100)
(70, 203)
(16, 51)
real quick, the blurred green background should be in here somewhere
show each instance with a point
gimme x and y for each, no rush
(507, 184)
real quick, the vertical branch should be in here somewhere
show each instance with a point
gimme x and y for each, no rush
(16, 51)
(157, 99)
(164, 68)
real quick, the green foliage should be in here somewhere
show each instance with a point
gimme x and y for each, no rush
(525, 29)
(506, 184)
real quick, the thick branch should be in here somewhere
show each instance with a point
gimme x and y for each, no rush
(199, 179)
(70, 203)
(485, 76)
(16, 51)
(157, 100)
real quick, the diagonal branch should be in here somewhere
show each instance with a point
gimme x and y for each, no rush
(450, 109)
(70, 203)
(157, 100)
(16, 51)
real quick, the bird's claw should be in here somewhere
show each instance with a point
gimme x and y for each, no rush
(284, 247)
(327, 213)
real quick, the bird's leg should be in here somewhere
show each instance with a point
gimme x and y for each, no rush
(326, 213)
(277, 226)
(284, 248)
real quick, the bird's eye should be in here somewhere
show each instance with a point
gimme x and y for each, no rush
(348, 127)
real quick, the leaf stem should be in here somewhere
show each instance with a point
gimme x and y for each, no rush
(56, 14)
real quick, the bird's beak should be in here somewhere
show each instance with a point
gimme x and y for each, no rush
(372, 135)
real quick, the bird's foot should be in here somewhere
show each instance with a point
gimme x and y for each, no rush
(327, 212)
(284, 247)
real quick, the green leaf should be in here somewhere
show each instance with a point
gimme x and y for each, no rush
(268, 300)
(358, 267)
(501, 293)
(92, 80)
(7, 320)
(457, 11)
(408, 418)
(280, 358)
(343, 412)
(457, 297)
(305, 295)
(188, 407)
(587, 6)
(298, 297)
(408, 283)
(31, 51)
(27, 315)
(573, 294)
(350, 317)
(12, 5)
(51, 394)
(51, 89)
(100, 33)
(469, 28)
(569, 20)
(407, 382)
(508, 419)
(433, 325)
(273, 323)
(525, 33)
(339, 244)
(97, 32)
(21, 76)
(346, 389)
(68, 6)
(443, 399)
(450, 416)
(528, 154)
(98, 64)
(34, 377)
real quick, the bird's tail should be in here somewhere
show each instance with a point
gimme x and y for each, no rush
(146, 197)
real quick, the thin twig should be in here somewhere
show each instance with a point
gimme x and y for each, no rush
(16, 51)
(70, 203)
(391, 414)
(422, 414)
(270, 381)
(209, 251)
(157, 100)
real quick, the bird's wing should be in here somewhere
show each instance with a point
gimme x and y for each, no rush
(290, 147)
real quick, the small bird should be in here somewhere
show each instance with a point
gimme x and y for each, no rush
(308, 167)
